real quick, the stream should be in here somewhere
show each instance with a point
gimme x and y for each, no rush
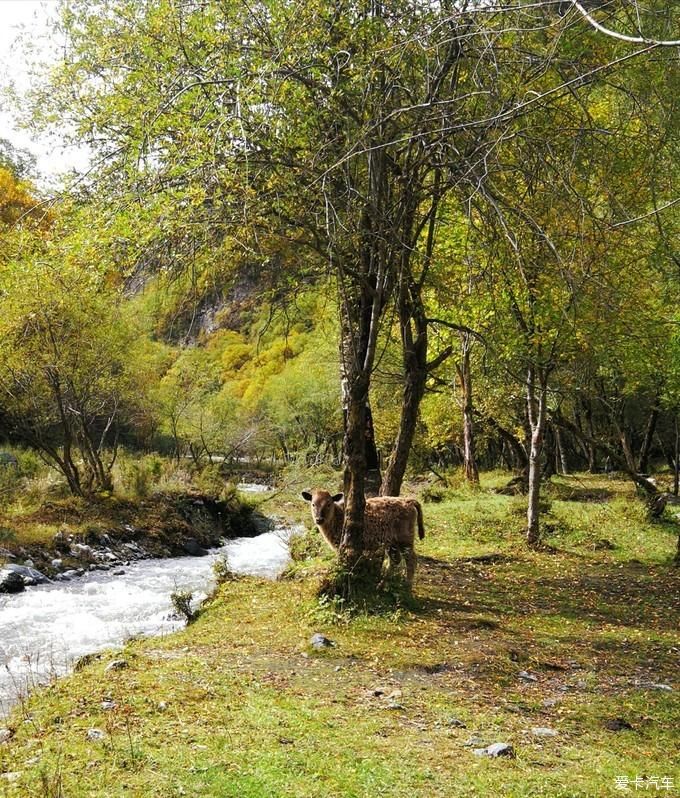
(45, 629)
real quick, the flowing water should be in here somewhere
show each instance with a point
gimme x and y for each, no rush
(45, 629)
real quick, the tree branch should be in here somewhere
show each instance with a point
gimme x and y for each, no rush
(622, 36)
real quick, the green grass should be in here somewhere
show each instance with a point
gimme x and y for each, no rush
(238, 704)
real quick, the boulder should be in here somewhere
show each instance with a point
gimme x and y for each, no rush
(192, 547)
(30, 575)
(116, 665)
(10, 582)
(320, 641)
(496, 750)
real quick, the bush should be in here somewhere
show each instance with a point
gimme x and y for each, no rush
(140, 476)
(305, 545)
(30, 464)
(16, 476)
(7, 535)
(222, 570)
(181, 601)
(298, 475)
(10, 479)
(210, 480)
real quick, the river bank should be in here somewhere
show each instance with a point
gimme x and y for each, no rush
(66, 539)
(567, 661)
(49, 627)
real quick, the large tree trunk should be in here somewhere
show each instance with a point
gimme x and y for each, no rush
(351, 543)
(537, 391)
(359, 573)
(362, 305)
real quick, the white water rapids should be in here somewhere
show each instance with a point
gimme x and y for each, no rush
(45, 629)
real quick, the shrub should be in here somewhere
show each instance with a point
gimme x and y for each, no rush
(140, 476)
(181, 601)
(30, 464)
(210, 480)
(222, 570)
(305, 545)
(10, 479)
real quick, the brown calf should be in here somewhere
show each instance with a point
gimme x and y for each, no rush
(390, 523)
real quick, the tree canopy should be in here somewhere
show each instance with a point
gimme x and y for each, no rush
(482, 195)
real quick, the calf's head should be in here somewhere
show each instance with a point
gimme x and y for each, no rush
(322, 504)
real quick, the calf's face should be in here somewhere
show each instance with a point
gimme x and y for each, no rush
(322, 504)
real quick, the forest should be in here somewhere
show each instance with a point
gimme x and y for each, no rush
(479, 246)
(391, 247)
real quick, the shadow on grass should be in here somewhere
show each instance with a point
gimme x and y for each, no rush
(578, 493)
(511, 589)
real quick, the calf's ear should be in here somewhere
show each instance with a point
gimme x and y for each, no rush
(306, 495)
(338, 497)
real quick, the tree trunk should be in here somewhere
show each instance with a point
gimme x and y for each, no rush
(371, 459)
(550, 453)
(359, 573)
(676, 470)
(561, 451)
(537, 390)
(645, 449)
(465, 378)
(519, 454)
(361, 310)
(627, 450)
(355, 469)
(69, 470)
(592, 454)
(413, 326)
(68, 467)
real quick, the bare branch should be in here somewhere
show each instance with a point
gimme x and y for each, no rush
(622, 36)
(647, 215)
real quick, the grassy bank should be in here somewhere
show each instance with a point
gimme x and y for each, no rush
(496, 643)
(156, 504)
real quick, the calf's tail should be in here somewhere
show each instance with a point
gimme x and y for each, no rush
(421, 527)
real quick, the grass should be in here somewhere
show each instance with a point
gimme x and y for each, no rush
(239, 704)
